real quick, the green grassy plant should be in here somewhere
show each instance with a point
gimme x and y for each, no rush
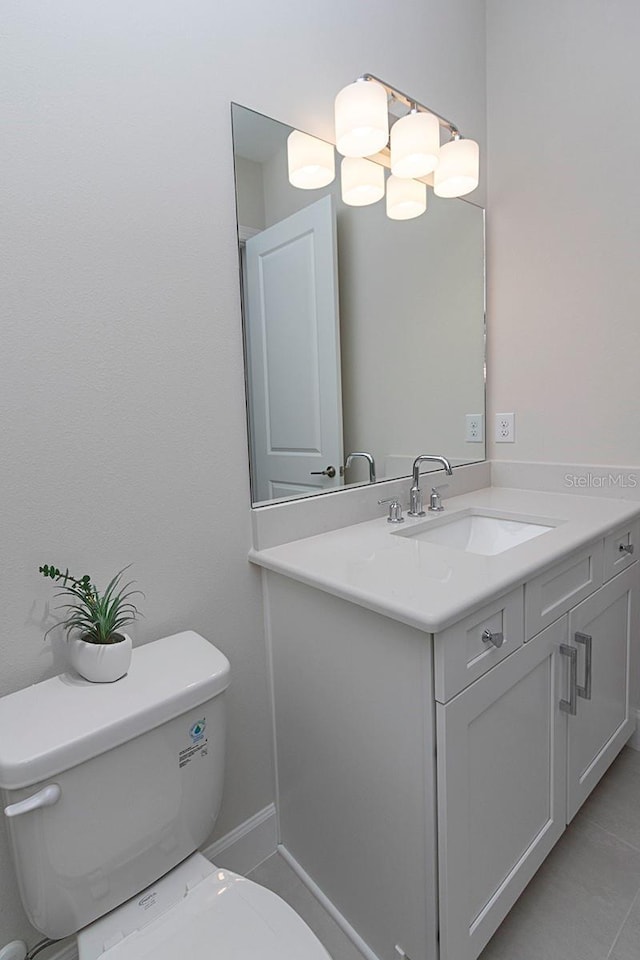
(98, 617)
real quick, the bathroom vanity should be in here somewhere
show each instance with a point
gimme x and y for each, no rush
(440, 713)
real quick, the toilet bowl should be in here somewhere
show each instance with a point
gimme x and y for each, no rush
(109, 790)
(200, 911)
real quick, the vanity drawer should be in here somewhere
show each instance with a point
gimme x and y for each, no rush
(621, 548)
(561, 587)
(461, 653)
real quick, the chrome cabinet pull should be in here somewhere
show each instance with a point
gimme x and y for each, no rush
(329, 472)
(497, 638)
(570, 706)
(587, 641)
(626, 548)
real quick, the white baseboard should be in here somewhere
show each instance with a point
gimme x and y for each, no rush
(248, 845)
(240, 851)
(333, 912)
(634, 740)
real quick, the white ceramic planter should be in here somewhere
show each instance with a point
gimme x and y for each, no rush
(100, 662)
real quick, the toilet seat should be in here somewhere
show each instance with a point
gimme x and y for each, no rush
(226, 917)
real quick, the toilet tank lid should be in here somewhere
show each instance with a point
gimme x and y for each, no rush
(58, 723)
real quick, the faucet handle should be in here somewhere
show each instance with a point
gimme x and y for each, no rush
(435, 499)
(435, 502)
(395, 510)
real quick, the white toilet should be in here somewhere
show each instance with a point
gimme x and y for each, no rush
(108, 791)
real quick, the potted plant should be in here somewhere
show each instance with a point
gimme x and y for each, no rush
(99, 650)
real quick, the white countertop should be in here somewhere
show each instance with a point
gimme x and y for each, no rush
(430, 586)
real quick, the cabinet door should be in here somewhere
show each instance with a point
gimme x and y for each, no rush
(607, 623)
(501, 789)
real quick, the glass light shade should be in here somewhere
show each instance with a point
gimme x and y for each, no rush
(458, 170)
(311, 161)
(405, 198)
(362, 181)
(362, 121)
(415, 145)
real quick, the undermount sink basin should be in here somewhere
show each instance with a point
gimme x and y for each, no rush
(477, 532)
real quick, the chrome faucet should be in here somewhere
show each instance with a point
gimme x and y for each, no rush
(368, 458)
(415, 494)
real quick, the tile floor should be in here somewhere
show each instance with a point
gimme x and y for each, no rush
(276, 874)
(583, 904)
(584, 901)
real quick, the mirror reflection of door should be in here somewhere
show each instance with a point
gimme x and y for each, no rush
(292, 342)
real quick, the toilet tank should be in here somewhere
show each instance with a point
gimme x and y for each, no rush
(139, 767)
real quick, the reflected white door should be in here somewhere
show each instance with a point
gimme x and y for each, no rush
(293, 349)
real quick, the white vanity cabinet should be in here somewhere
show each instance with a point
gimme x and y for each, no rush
(423, 777)
(519, 751)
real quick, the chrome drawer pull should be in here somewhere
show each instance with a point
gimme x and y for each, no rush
(587, 641)
(626, 548)
(569, 706)
(497, 639)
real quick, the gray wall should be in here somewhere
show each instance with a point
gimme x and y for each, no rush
(123, 429)
(564, 227)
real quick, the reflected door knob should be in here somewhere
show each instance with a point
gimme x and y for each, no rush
(329, 472)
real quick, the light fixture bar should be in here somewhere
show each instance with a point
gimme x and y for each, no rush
(411, 103)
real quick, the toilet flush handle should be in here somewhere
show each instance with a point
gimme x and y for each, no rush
(43, 798)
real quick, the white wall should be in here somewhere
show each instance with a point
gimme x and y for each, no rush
(564, 227)
(122, 434)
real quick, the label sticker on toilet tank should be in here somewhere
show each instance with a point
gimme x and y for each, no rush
(196, 731)
(198, 747)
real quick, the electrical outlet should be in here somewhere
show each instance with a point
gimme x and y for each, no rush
(474, 423)
(505, 428)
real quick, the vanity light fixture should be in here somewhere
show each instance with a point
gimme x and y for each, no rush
(415, 144)
(362, 119)
(406, 199)
(311, 161)
(365, 112)
(454, 165)
(458, 170)
(362, 181)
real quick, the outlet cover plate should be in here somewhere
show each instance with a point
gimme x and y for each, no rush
(474, 427)
(505, 428)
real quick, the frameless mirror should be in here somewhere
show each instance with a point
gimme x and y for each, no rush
(363, 335)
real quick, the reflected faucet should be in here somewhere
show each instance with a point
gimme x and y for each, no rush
(368, 458)
(415, 494)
